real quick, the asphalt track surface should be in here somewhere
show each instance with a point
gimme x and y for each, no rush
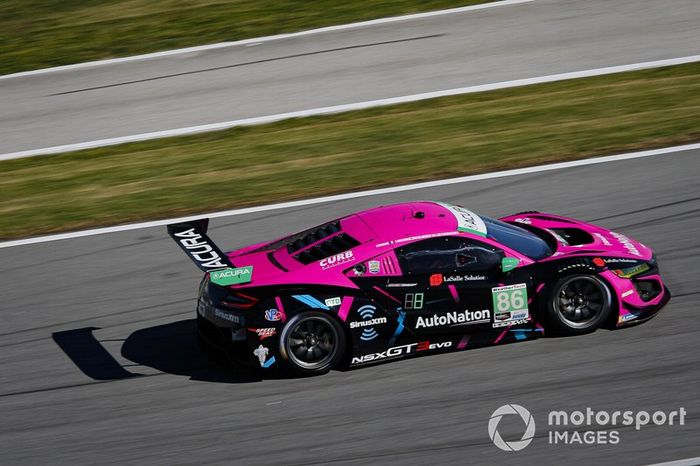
(533, 39)
(99, 361)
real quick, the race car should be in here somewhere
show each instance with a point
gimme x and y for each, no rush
(415, 278)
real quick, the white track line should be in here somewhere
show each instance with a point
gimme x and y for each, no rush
(685, 462)
(346, 196)
(258, 40)
(345, 108)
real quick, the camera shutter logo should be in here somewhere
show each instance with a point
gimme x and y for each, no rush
(529, 427)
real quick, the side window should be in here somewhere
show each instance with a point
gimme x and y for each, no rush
(448, 254)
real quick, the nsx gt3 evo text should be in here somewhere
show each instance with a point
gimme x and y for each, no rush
(415, 278)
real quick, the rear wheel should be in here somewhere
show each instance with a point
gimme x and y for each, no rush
(579, 304)
(311, 343)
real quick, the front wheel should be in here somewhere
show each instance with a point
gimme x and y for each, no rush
(579, 304)
(311, 343)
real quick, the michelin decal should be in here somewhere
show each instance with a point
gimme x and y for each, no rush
(261, 353)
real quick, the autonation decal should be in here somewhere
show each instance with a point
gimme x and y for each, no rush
(580, 427)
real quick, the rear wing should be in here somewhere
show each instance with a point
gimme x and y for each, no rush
(192, 238)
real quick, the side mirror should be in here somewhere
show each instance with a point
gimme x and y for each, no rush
(508, 264)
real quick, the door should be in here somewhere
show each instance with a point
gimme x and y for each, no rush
(454, 277)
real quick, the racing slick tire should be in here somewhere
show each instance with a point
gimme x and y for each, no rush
(311, 343)
(578, 304)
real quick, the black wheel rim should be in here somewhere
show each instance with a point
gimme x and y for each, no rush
(312, 343)
(580, 301)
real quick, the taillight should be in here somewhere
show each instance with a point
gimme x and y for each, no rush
(238, 300)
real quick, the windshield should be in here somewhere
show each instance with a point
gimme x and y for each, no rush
(517, 238)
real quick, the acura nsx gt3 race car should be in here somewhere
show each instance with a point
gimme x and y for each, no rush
(415, 278)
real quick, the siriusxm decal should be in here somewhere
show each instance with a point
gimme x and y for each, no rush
(368, 322)
(232, 276)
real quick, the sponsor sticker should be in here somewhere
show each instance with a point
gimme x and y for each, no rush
(273, 315)
(397, 351)
(627, 244)
(616, 260)
(331, 302)
(336, 259)
(232, 276)
(199, 249)
(455, 318)
(261, 353)
(464, 278)
(436, 279)
(368, 322)
(227, 316)
(374, 266)
(414, 238)
(510, 305)
(467, 221)
(264, 332)
(602, 239)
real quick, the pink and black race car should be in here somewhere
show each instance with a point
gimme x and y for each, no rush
(415, 278)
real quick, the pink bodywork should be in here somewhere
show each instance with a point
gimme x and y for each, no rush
(606, 244)
(381, 229)
(378, 230)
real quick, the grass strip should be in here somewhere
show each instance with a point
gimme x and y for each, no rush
(44, 33)
(314, 156)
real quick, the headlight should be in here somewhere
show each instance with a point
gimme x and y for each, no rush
(630, 272)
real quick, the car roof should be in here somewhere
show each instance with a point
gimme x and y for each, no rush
(409, 219)
(365, 231)
(321, 254)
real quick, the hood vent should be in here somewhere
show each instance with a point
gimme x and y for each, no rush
(573, 236)
(309, 237)
(549, 219)
(339, 242)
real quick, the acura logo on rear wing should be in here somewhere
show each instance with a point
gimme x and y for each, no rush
(192, 238)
